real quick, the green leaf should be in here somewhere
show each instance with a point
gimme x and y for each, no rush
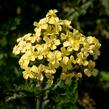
(104, 76)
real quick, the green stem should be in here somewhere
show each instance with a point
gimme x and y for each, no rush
(39, 97)
(37, 103)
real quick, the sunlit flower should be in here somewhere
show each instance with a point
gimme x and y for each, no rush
(56, 48)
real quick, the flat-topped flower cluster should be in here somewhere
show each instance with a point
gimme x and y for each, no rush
(56, 47)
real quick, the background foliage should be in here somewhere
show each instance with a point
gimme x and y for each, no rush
(91, 17)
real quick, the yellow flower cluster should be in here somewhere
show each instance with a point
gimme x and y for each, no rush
(56, 47)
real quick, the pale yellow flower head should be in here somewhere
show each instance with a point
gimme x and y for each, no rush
(56, 47)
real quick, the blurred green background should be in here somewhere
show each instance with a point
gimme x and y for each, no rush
(91, 17)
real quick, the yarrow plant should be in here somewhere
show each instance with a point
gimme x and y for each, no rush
(56, 50)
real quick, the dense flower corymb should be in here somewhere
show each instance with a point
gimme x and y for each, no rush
(56, 45)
